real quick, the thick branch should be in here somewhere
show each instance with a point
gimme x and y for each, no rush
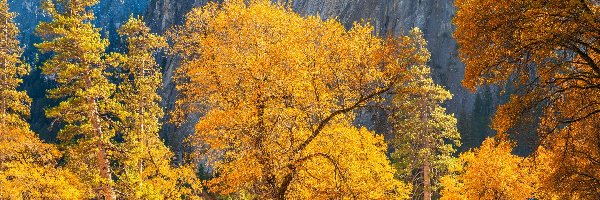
(325, 122)
(588, 59)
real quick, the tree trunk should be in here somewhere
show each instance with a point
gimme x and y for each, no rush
(102, 161)
(263, 157)
(139, 138)
(101, 156)
(286, 183)
(426, 180)
(426, 164)
(3, 106)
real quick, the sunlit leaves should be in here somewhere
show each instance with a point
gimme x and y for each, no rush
(490, 172)
(14, 105)
(78, 66)
(28, 167)
(548, 51)
(272, 85)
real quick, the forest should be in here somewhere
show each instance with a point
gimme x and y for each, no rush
(279, 94)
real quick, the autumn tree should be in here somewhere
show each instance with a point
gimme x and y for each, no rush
(145, 162)
(549, 51)
(86, 108)
(27, 165)
(567, 163)
(490, 172)
(278, 91)
(424, 135)
(28, 169)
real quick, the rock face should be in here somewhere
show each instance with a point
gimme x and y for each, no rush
(390, 17)
(162, 14)
(110, 14)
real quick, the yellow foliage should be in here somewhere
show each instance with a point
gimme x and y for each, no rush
(28, 169)
(490, 172)
(79, 68)
(278, 92)
(27, 165)
(568, 162)
(549, 52)
(346, 162)
(14, 105)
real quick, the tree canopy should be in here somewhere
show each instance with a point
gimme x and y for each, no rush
(490, 172)
(548, 52)
(275, 87)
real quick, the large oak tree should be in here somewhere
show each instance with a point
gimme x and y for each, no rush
(279, 90)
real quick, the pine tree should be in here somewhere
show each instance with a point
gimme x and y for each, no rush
(146, 171)
(78, 67)
(425, 136)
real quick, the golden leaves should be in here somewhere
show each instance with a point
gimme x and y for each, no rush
(491, 172)
(27, 165)
(548, 52)
(145, 169)
(28, 169)
(94, 113)
(273, 84)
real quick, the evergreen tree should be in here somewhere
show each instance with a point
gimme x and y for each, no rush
(87, 110)
(424, 135)
(145, 170)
